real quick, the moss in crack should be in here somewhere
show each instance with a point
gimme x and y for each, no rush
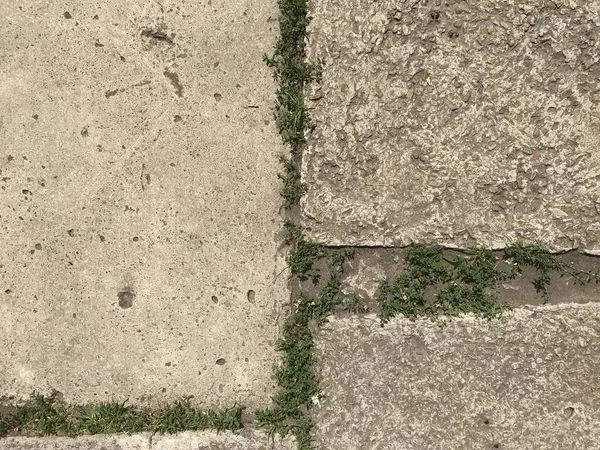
(293, 188)
(45, 415)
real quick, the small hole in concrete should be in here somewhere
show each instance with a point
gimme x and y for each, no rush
(71, 232)
(434, 14)
(126, 299)
(218, 97)
(220, 361)
(568, 412)
(8, 291)
(102, 238)
(38, 246)
(177, 118)
(215, 299)
(67, 15)
(486, 421)
(35, 117)
(496, 445)
(168, 364)
(135, 239)
(251, 296)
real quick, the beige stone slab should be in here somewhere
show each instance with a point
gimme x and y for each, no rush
(139, 201)
(457, 123)
(246, 440)
(527, 381)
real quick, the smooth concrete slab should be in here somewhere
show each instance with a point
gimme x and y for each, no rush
(457, 123)
(139, 201)
(528, 381)
(246, 440)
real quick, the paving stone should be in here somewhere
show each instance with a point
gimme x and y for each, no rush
(139, 201)
(526, 381)
(246, 440)
(458, 123)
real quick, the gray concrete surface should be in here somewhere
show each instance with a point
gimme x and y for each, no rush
(246, 440)
(529, 381)
(459, 123)
(139, 202)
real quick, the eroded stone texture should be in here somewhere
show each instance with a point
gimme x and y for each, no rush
(459, 123)
(527, 381)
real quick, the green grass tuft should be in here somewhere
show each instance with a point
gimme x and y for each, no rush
(44, 416)
(108, 418)
(293, 73)
(293, 188)
(303, 254)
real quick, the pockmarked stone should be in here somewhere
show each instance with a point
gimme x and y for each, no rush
(462, 124)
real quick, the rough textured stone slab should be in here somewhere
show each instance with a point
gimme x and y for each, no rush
(529, 381)
(139, 201)
(246, 440)
(459, 123)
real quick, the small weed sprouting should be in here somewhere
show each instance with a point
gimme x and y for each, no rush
(354, 305)
(545, 263)
(466, 283)
(327, 300)
(339, 256)
(293, 188)
(303, 254)
(44, 416)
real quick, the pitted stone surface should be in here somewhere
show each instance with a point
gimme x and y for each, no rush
(458, 123)
(527, 381)
(139, 201)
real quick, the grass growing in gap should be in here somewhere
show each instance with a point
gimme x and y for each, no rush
(303, 254)
(293, 188)
(44, 416)
(545, 263)
(296, 378)
(292, 73)
(465, 283)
